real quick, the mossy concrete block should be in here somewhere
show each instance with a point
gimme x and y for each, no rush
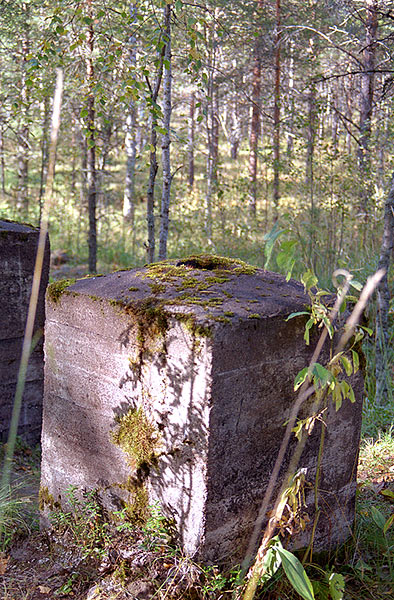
(18, 246)
(202, 349)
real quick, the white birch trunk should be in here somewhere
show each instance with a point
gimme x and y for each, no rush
(166, 138)
(130, 137)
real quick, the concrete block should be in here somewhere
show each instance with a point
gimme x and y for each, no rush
(18, 245)
(177, 379)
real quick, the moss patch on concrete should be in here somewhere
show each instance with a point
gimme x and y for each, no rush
(138, 437)
(56, 289)
(46, 500)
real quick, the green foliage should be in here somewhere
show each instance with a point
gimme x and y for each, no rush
(85, 521)
(296, 574)
(157, 529)
(13, 517)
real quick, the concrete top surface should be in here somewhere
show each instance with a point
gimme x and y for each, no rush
(17, 227)
(207, 287)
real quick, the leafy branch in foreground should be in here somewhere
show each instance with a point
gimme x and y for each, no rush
(307, 389)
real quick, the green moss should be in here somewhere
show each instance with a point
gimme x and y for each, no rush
(192, 283)
(222, 267)
(221, 319)
(133, 289)
(152, 318)
(217, 279)
(157, 288)
(196, 329)
(116, 303)
(228, 313)
(56, 289)
(95, 298)
(138, 508)
(137, 436)
(163, 272)
(45, 499)
(254, 316)
(210, 262)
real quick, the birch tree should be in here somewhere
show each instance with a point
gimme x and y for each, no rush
(367, 85)
(91, 141)
(130, 137)
(166, 138)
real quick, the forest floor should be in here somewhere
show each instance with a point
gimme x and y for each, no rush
(142, 564)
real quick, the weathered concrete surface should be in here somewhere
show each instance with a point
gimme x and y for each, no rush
(18, 244)
(209, 357)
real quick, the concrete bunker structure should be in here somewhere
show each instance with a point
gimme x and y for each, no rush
(18, 246)
(173, 383)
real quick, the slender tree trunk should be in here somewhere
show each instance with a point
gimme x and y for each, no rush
(101, 164)
(309, 168)
(255, 121)
(382, 372)
(83, 190)
(24, 131)
(131, 156)
(166, 140)
(91, 147)
(73, 183)
(153, 166)
(235, 130)
(44, 150)
(150, 206)
(141, 135)
(215, 129)
(290, 134)
(335, 123)
(276, 144)
(130, 139)
(212, 133)
(310, 136)
(366, 107)
(190, 141)
(2, 158)
(255, 128)
(211, 166)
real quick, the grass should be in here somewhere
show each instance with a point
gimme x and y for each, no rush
(14, 517)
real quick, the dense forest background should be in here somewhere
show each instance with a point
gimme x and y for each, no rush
(232, 116)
